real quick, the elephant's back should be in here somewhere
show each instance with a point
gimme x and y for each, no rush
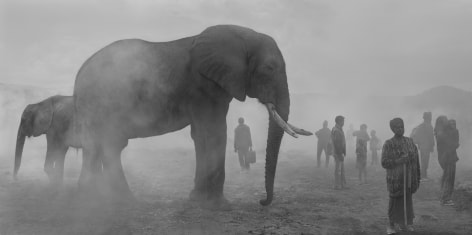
(111, 54)
(131, 81)
(131, 59)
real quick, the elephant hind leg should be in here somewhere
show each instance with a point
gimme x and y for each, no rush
(116, 186)
(91, 168)
(60, 156)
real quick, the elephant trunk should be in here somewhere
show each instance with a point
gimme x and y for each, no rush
(274, 139)
(20, 142)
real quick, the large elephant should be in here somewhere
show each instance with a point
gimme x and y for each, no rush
(134, 88)
(53, 117)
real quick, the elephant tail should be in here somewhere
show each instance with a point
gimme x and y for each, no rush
(20, 142)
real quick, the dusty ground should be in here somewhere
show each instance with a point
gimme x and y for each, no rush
(305, 202)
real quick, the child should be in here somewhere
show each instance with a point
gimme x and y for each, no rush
(375, 145)
(361, 152)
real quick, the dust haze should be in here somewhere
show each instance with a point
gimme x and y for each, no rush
(369, 61)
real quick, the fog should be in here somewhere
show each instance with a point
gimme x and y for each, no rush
(369, 61)
(308, 110)
(373, 47)
(341, 56)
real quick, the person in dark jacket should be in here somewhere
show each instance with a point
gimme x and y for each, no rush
(339, 152)
(324, 143)
(449, 162)
(242, 143)
(423, 136)
(440, 128)
(400, 159)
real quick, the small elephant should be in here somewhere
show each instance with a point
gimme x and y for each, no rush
(135, 88)
(53, 117)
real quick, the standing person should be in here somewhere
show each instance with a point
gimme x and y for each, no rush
(242, 143)
(350, 143)
(441, 139)
(339, 152)
(449, 162)
(400, 159)
(324, 140)
(361, 152)
(423, 136)
(374, 146)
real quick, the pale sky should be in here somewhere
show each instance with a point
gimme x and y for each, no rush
(396, 47)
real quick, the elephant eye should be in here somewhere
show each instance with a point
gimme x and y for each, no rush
(270, 67)
(267, 68)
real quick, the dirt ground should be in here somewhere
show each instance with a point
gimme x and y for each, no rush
(304, 203)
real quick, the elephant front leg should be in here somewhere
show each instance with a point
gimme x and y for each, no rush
(49, 163)
(210, 145)
(54, 163)
(210, 166)
(59, 159)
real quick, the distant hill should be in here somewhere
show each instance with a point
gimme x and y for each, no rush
(443, 97)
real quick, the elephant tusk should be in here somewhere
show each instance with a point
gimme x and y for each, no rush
(299, 130)
(286, 127)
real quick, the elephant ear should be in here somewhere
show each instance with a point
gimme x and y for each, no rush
(219, 54)
(43, 117)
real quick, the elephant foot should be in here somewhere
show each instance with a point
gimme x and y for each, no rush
(218, 204)
(121, 197)
(89, 186)
(209, 201)
(198, 196)
(55, 180)
(117, 192)
(53, 190)
(51, 176)
(87, 193)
